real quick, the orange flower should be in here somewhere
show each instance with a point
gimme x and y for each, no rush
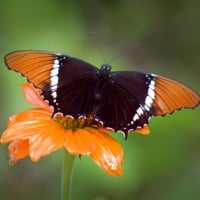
(36, 133)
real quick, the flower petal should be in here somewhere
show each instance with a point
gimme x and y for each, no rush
(36, 113)
(108, 154)
(145, 130)
(18, 149)
(25, 124)
(45, 136)
(33, 95)
(47, 140)
(102, 148)
(80, 142)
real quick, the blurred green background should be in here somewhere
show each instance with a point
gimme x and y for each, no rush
(158, 36)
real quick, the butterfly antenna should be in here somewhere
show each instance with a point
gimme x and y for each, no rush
(121, 54)
(98, 45)
(125, 52)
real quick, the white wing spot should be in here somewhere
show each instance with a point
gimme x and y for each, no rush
(135, 118)
(139, 111)
(54, 79)
(149, 98)
(150, 92)
(148, 101)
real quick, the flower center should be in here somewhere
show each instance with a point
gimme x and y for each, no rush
(69, 122)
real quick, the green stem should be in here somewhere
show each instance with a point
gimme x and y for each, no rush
(66, 176)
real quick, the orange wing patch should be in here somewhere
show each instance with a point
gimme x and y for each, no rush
(36, 66)
(171, 95)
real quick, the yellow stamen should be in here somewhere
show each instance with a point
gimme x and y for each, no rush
(71, 123)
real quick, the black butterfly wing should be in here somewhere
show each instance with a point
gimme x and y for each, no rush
(66, 82)
(131, 98)
(75, 89)
(122, 106)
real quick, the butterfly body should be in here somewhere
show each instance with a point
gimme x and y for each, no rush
(121, 100)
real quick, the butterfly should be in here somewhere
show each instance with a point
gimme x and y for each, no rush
(121, 100)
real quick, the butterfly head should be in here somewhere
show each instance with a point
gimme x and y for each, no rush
(105, 70)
